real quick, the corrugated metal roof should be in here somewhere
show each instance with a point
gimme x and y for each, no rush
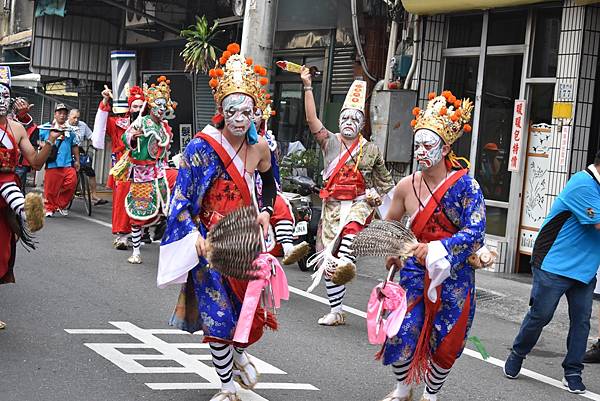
(73, 47)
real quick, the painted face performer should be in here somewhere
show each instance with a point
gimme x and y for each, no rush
(19, 215)
(355, 182)
(280, 241)
(219, 161)
(115, 126)
(147, 139)
(447, 214)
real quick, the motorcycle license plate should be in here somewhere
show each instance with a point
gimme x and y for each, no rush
(301, 229)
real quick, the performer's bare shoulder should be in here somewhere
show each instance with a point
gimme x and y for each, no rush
(259, 156)
(404, 201)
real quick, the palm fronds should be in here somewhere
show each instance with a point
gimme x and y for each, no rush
(199, 53)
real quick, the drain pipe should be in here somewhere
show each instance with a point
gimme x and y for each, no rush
(361, 55)
(391, 50)
(416, 51)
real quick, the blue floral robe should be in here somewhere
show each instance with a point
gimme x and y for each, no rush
(464, 207)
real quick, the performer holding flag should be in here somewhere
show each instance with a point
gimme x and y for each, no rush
(447, 214)
(216, 177)
(356, 181)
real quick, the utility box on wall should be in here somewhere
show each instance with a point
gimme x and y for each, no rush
(391, 113)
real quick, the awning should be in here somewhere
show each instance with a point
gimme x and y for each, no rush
(19, 38)
(429, 7)
(26, 80)
(584, 2)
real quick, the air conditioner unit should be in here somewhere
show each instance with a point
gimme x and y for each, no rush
(134, 20)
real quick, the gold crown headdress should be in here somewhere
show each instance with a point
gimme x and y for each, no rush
(161, 89)
(237, 74)
(445, 115)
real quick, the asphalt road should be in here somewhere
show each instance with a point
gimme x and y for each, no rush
(85, 325)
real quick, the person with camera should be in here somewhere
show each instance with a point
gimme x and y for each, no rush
(60, 180)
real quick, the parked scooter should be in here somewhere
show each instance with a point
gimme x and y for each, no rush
(306, 215)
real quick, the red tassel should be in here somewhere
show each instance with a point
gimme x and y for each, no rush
(419, 364)
(379, 353)
(217, 119)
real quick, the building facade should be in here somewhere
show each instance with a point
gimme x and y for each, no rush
(532, 71)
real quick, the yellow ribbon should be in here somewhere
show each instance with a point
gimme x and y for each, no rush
(360, 152)
(455, 160)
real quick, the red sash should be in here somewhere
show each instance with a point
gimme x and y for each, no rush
(236, 176)
(331, 180)
(423, 216)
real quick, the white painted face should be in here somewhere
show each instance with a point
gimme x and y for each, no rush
(428, 149)
(159, 108)
(351, 122)
(238, 111)
(4, 100)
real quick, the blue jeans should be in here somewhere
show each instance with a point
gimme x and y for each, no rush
(547, 290)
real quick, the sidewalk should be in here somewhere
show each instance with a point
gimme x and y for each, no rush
(507, 297)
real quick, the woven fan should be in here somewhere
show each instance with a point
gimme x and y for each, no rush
(384, 238)
(233, 243)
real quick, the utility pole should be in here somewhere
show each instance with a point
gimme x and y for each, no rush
(260, 18)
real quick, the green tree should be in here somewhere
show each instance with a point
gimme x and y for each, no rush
(199, 52)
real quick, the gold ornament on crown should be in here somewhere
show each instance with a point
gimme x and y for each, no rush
(161, 89)
(237, 74)
(445, 115)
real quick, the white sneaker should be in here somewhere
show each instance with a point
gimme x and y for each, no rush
(333, 319)
(49, 214)
(63, 212)
(225, 396)
(135, 259)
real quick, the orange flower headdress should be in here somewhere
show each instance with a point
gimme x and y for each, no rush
(161, 89)
(237, 74)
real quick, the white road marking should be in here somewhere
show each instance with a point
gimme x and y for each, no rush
(474, 354)
(102, 223)
(189, 363)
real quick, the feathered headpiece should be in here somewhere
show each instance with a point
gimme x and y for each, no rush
(237, 74)
(161, 89)
(135, 93)
(445, 115)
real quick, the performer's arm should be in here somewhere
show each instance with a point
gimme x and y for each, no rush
(310, 109)
(179, 249)
(584, 202)
(36, 159)
(397, 209)
(382, 178)
(100, 124)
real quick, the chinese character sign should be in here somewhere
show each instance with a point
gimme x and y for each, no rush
(517, 135)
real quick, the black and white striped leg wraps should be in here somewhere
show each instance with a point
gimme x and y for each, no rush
(284, 231)
(345, 249)
(335, 294)
(401, 370)
(14, 197)
(136, 238)
(222, 358)
(435, 378)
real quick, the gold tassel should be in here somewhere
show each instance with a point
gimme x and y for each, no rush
(455, 161)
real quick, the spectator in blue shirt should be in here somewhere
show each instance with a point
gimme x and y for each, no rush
(60, 179)
(564, 261)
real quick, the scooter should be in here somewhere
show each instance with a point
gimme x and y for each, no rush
(307, 216)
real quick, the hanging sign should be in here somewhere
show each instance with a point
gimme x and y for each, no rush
(516, 138)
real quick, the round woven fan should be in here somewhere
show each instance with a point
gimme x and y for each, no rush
(234, 242)
(384, 238)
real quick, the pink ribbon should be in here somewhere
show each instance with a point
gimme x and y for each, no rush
(269, 272)
(392, 298)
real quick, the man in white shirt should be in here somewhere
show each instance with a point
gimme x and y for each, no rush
(84, 134)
